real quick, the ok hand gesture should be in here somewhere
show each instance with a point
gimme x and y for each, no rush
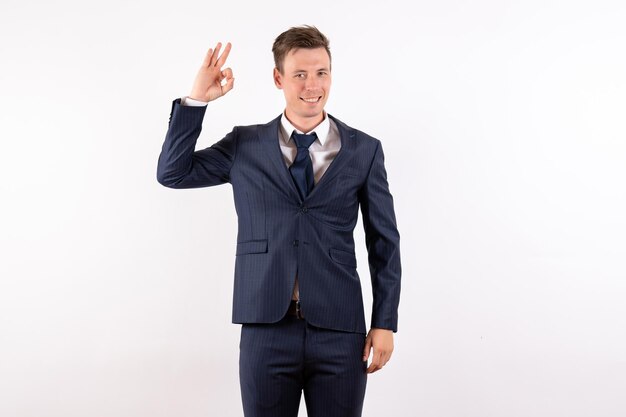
(208, 83)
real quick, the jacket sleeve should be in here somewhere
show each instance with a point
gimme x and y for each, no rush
(382, 242)
(179, 165)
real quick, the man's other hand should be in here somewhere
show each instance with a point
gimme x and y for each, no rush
(382, 342)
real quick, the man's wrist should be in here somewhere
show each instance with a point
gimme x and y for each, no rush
(188, 101)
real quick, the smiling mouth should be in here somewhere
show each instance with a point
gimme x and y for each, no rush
(311, 100)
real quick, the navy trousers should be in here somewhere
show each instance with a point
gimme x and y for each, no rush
(278, 361)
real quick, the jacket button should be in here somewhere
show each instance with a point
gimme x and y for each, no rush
(304, 209)
(295, 243)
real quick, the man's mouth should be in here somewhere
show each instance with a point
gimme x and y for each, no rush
(311, 99)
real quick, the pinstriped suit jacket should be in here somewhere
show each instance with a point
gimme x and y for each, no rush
(279, 233)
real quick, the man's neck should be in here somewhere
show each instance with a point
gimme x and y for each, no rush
(305, 124)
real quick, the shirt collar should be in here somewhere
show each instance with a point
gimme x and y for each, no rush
(321, 130)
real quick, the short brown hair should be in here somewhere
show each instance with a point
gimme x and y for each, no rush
(295, 38)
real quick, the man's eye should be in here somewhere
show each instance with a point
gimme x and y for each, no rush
(299, 75)
(321, 73)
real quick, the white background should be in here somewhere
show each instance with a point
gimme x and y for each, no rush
(503, 129)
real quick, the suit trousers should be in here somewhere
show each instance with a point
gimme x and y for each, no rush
(278, 361)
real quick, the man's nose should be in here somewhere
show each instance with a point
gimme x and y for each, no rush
(311, 83)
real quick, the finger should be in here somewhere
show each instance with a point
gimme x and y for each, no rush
(215, 54)
(377, 362)
(373, 368)
(227, 73)
(384, 360)
(374, 364)
(207, 57)
(222, 59)
(228, 86)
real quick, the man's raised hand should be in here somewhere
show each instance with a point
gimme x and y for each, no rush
(209, 83)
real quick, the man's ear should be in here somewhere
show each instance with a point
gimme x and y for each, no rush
(278, 79)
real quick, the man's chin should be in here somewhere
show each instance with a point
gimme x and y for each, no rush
(313, 115)
(308, 113)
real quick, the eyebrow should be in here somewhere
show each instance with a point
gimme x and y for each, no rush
(301, 70)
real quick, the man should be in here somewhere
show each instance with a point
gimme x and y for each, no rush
(297, 183)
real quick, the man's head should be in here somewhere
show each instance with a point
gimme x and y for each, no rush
(302, 71)
(295, 38)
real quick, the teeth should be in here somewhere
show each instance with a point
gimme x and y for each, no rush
(311, 100)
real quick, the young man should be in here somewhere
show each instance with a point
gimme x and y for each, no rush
(298, 182)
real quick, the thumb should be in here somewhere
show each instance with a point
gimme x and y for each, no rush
(367, 349)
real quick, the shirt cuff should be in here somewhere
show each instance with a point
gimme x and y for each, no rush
(188, 101)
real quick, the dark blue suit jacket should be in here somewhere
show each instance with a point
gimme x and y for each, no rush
(279, 233)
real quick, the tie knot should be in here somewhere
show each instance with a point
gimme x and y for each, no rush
(302, 140)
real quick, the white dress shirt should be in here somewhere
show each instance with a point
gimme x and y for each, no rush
(322, 151)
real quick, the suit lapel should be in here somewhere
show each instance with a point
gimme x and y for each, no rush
(346, 136)
(268, 135)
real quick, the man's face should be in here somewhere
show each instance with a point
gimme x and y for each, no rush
(305, 82)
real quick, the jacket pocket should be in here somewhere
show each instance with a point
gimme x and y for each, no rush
(343, 257)
(251, 246)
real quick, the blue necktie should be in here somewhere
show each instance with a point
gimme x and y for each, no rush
(302, 167)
